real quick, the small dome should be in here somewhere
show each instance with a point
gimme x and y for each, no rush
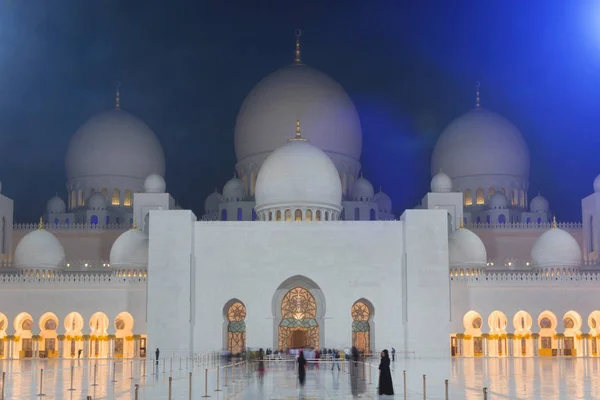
(597, 184)
(362, 190)
(555, 248)
(39, 249)
(441, 183)
(234, 190)
(466, 250)
(56, 205)
(155, 183)
(211, 204)
(298, 174)
(384, 202)
(539, 204)
(96, 201)
(130, 250)
(498, 200)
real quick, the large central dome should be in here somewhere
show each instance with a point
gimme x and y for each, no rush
(298, 92)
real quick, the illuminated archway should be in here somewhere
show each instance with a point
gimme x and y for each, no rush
(362, 315)
(572, 323)
(124, 335)
(23, 325)
(73, 324)
(48, 325)
(594, 325)
(548, 343)
(522, 343)
(298, 327)
(3, 327)
(99, 335)
(234, 313)
(473, 341)
(498, 346)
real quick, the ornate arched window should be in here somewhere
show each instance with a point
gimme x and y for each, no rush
(116, 197)
(309, 215)
(480, 197)
(236, 328)
(491, 192)
(128, 200)
(361, 331)
(298, 327)
(298, 215)
(468, 197)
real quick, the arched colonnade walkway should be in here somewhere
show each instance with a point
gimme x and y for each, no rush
(528, 336)
(70, 337)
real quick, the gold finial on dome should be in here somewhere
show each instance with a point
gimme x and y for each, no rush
(298, 136)
(554, 224)
(41, 225)
(118, 97)
(298, 56)
(477, 100)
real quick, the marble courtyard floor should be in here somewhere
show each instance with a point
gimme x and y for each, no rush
(507, 378)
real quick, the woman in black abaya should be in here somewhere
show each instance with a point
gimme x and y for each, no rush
(301, 368)
(385, 375)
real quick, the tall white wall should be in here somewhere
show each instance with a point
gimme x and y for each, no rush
(6, 226)
(427, 296)
(171, 281)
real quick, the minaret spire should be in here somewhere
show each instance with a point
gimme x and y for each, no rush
(554, 224)
(298, 56)
(41, 225)
(118, 97)
(477, 100)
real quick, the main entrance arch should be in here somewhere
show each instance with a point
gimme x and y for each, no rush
(298, 307)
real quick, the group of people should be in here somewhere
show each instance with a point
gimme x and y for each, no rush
(386, 386)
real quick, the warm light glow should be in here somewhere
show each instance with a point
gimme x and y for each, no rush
(128, 200)
(480, 197)
(116, 197)
(468, 197)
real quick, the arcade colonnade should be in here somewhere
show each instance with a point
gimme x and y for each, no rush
(544, 336)
(299, 317)
(69, 337)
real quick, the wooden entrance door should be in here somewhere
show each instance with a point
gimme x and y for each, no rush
(299, 339)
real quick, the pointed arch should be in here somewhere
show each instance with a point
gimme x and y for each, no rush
(234, 315)
(362, 313)
(468, 197)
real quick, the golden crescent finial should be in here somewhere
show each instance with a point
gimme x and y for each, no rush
(298, 136)
(298, 55)
(554, 224)
(477, 99)
(41, 225)
(118, 97)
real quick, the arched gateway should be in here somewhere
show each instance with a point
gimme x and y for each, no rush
(298, 308)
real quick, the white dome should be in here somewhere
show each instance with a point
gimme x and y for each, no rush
(39, 249)
(481, 143)
(597, 184)
(383, 201)
(56, 205)
(498, 200)
(555, 248)
(466, 250)
(298, 92)
(211, 204)
(441, 183)
(362, 190)
(297, 174)
(155, 183)
(114, 143)
(234, 190)
(539, 204)
(130, 250)
(96, 201)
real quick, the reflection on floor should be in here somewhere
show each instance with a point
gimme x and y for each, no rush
(527, 378)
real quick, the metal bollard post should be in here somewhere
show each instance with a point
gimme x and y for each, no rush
(41, 383)
(170, 383)
(171, 366)
(95, 374)
(131, 371)
(114, 379)
(370, 366)
(226, 373)
(186, 363)
(484, 393)
(446, 383)
(218, 389)
(404, 384)
(137, 387)
(206, 383)
(424, 388)
(164, 369)
(190, 386)
(72, 388)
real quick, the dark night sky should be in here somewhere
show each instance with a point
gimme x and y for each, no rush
(409, 66)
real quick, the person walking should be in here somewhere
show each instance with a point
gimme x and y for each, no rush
(157, 352)
(301, 368)
(336, 359)
(386, 386)
(393, 354)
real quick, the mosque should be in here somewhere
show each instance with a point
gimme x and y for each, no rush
(298, 250)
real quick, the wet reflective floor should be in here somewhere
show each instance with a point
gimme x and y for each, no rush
(526, 378)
